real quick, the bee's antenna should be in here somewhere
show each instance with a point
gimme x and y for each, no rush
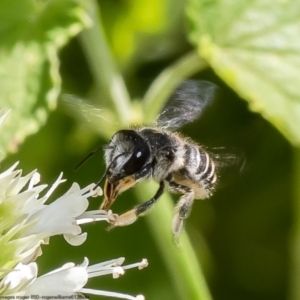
(88, 156)
(101, 179)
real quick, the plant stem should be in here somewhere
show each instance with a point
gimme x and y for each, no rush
(181, 263)
(167, 81)
(295, 236)
(102, 65)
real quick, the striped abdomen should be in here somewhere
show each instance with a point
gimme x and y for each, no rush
(201, 169)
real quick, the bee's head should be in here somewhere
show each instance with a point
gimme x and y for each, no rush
(126, 156)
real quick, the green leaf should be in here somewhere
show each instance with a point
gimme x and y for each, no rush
(31, 34)
(141, 31)
(254, 46)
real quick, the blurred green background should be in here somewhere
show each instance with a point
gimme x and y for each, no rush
(245, 237)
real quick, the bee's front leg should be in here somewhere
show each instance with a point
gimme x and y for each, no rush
(131, 216)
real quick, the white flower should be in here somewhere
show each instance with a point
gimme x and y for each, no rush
(26, 221)
(69, 280)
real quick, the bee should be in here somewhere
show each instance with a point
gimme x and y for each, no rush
(159, 152)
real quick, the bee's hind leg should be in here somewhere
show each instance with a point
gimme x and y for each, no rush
(182, 208)
(131, 216)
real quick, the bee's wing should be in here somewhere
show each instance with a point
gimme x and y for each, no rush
(96, 118)
(186, 104)
(82, 109)
(230, 165)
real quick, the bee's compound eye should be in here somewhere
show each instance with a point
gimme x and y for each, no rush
(137, 160)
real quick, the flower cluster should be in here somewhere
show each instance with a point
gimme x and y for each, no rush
(26, 222)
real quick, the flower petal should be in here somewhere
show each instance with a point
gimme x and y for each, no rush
(59, 216)
(75, 240)
(64, 281)
(20, 274)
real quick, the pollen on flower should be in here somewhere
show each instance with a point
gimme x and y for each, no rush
(117, 271)
(143, 264)
(112, 216)
(97, 191)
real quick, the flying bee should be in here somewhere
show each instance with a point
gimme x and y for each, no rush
(159, 152)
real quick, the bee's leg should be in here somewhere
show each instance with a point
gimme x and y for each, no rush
(182, 208)
(130, 216)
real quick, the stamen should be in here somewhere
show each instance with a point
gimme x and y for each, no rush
(58, 181)
(93, 216)
(140, 265)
